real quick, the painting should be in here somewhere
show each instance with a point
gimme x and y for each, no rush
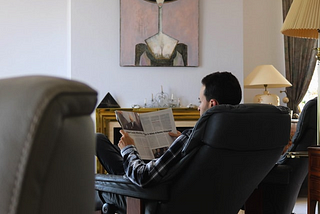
(159, 33)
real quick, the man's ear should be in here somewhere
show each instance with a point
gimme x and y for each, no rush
(213, 102)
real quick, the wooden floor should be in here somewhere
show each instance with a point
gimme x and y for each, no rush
(301, 206)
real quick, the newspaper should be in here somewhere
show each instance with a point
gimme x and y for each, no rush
(149, 131)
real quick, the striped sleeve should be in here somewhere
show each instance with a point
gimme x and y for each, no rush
(146, 174)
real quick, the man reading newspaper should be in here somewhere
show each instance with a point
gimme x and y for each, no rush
(124, 159)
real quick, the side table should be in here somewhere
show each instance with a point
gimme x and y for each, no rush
(313, 178)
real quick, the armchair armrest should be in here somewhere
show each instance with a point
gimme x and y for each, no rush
(121, 185)
(280, 174)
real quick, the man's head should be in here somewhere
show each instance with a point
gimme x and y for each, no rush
(219, 88)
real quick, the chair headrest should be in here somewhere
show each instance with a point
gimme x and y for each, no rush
(241, 127)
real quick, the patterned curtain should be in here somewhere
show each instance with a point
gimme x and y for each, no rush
(300, 62)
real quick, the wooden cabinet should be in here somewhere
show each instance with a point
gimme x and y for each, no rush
(313, 178)
(106, 119)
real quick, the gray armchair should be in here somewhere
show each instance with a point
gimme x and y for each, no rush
(231, 150)
(46, 146)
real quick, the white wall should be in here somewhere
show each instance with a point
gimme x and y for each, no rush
(79, 39)
(34, 38)
(263, 41)
(95, 52)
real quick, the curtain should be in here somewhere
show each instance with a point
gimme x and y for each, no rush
(300, 62)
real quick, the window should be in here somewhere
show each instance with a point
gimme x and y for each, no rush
(312, 90)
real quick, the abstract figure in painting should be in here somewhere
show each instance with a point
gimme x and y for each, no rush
(161, 49)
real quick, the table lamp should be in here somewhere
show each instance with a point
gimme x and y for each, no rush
(266, 76)
(303, 20)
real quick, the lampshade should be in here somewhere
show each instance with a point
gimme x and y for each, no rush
(266, 75)
(303, 19)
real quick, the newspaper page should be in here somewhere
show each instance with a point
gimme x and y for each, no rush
(149, 131)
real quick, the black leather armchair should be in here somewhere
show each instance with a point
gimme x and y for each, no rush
(231, 150)
(278, 192)
(46, 146)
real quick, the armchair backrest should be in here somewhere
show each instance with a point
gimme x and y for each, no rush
(46, 146)
(281, 197)
(306, 132)
(233, 148)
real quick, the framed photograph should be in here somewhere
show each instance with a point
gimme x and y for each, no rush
(159, 33)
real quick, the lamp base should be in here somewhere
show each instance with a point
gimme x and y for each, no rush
(267, 98)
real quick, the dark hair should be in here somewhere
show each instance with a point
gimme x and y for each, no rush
(223, 87)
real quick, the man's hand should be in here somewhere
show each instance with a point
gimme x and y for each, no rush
(175, 134)
(125, 140)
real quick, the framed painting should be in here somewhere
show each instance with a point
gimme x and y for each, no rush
(159, 33)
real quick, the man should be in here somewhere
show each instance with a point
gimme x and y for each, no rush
(217, 88)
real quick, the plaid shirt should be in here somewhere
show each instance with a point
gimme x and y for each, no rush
(146, 174)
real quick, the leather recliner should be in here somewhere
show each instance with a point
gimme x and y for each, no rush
(231, 149)
(47, 146)
(279, 190)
